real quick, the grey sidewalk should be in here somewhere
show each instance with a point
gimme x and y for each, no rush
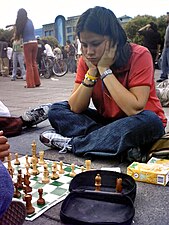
(151, 203)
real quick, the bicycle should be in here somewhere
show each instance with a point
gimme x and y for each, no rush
(50, 66)
(46, 66)
(60, 67)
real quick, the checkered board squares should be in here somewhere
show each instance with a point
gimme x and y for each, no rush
(53, 192)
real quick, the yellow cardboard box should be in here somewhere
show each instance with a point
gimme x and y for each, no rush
(163, 162)
(150, 173)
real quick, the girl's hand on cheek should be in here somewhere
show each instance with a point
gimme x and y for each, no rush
(108, 57)
(92, 68)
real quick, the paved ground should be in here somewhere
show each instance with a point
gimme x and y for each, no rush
(151, 203)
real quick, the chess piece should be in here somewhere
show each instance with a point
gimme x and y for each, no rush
(40, 201)
(20, 172)
(119, 186)
(41, 158)
(25, 193)
(61, 171)
(72, 173)
(54, 175)
(88, 164)
(35, 171)
(97, 182)
(10, 168)
(82, 168)
(17, 193)
(27, 171)
(34, 151)
(17, 162)
(45, 178)
(27, 183)
(27, 161)
(29, 208)
(19, 180)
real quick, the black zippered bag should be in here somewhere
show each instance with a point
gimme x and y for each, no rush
(85, 206)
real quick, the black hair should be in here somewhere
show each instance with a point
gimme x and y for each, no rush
(20, 22)
(103, 21)
(68, 42)
(153, 26)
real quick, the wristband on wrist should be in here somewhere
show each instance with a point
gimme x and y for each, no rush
(88, 85)
(106, 73)
(91, 78)
(87, 78)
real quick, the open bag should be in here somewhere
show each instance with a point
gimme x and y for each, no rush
(86, 206)
(160, 148)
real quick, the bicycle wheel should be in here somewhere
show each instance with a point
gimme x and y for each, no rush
(60, 68)
(48, 68)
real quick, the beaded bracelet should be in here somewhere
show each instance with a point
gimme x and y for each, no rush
(90, 78)
(88, 85)
(87, 78)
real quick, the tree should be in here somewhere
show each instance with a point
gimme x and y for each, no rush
(7, 34)
(51, 40)
(137, 22)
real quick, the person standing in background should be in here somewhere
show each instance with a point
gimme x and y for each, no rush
(70, 56)
(152, 40)
(165, 55)
(4, 61)
(25, 30)
(18, 56)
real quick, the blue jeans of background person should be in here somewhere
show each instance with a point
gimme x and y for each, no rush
(92, 134)
(6, 189)
(18, 57)
(165, 63)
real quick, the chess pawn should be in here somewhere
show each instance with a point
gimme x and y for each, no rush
(40, 201)
(54, 175)
(119, 186)
(29, 208)
(88, 164)
(72, 173)
(82, 168)
(61, 171)
(41, 158)
(97, 182)
(45, 178)
(17, 162)
(17, 193)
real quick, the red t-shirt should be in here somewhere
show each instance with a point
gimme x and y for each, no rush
(138, 72)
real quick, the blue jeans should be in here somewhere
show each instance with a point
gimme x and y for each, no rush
(165, 63)
(92, 134)
(18, 57)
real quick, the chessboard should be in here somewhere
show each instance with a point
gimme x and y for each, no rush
(54, 190)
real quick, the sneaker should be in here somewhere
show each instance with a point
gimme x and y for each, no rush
(52, 139)
(161, 80)
(36, 115)
(13, 79)
(14, 215)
